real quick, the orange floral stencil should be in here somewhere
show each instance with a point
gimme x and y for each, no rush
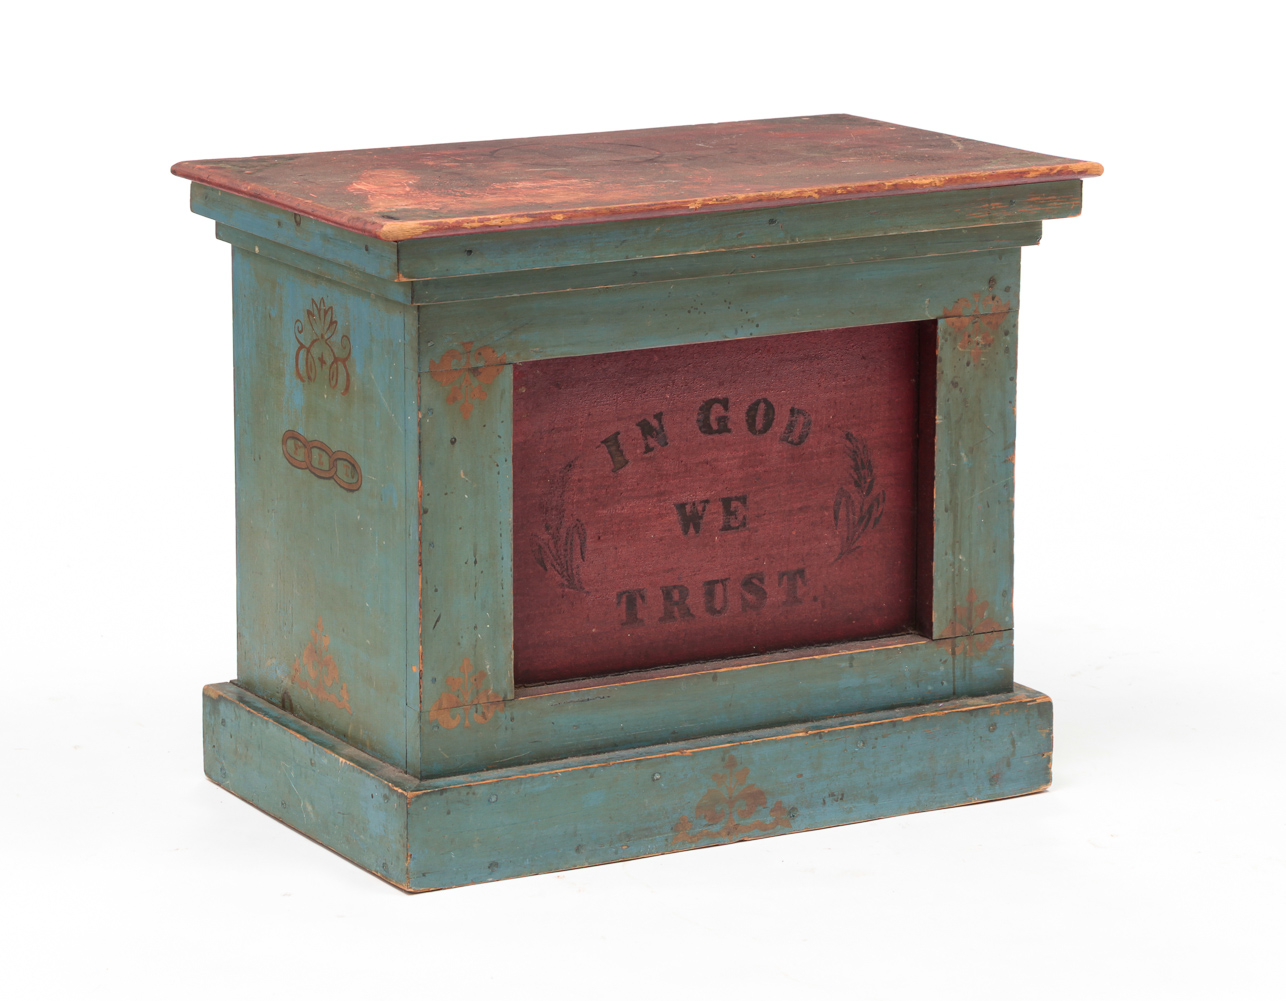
(726, 809)
(469, 698)
(480, 369)
(972, 631)
(316, 672)
(976, 320)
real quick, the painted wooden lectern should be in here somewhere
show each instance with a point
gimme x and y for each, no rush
(607, 495)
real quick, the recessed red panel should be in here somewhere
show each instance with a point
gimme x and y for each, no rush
(713, 500)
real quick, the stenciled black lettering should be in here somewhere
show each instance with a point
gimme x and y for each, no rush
(710, 587)
(674, 603)
(653, 433)
(753, 594)
(690, 515)
(613, 443)
(797, 427)
(792, 580)
(720, 425)
(760, 416)
(732, 518)
(632, 598)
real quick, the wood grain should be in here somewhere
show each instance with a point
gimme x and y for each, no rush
(666, 269)
(630, 317)
(515, 821)
(502, 251)
(973, 461)
(416, 191)
(327, 595)
(553, 721)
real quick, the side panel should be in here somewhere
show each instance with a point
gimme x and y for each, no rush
(973, 459)
(326, 502)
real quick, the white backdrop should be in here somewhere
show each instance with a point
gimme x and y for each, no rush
(1149, 511)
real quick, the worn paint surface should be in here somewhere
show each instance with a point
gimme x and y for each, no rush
(680, 242)
(467, 562)
(968, 590)
(715, 308)
(551, 721)
(416, 191)
(507, 822)
(322, 604)
(381, 448)
(466, 373)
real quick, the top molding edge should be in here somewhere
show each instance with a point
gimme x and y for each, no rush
(415, 192)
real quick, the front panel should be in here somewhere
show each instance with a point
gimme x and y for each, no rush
(565, 479)
(713, 500)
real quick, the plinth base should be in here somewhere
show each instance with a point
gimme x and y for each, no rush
(505, 822)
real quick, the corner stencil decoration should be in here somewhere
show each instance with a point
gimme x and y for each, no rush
(316, 672)
(972, 630)
(470, 695)
(976, 320)
(725, 805)
(480, 369)
(318, 351)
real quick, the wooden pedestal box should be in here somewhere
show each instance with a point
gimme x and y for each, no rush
(607, 495)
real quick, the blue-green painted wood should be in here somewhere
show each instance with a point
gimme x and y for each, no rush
(375, 257)
(397, 291)
(351, 802)
(570, 246)
(732, 262)
(467, 554)
(973, 498)
(307, 549)
(508, 783)
(628, 317)
(630, 711)
(673, 268)
(602, 808)
(634, 240)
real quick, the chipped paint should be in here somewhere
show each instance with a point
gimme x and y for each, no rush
(454, 188)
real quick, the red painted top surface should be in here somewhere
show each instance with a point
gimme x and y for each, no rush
(405, 192)
(766, 501)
